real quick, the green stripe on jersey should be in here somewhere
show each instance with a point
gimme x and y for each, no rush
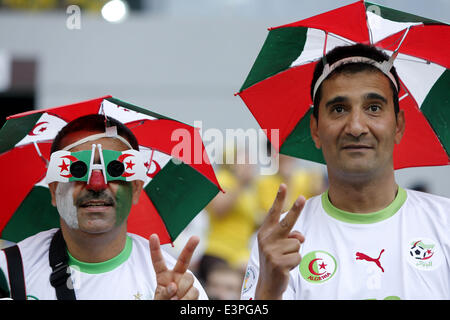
(102, 267)
(282, 47)
(364, 218)
(436, 108)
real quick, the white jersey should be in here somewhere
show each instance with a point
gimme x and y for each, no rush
(400, 252)
(129, 275)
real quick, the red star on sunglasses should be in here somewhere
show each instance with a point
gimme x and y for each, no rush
(64, 166)
(130, 165)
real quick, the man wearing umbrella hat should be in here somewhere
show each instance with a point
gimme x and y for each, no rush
(366, 237)
(95, 175)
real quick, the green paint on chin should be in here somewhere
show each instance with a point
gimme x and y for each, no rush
(124, 199)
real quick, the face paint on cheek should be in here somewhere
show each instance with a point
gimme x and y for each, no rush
(64, 204)
(124, 201)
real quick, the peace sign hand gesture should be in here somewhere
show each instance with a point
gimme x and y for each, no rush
(175, 284)
(278, 247)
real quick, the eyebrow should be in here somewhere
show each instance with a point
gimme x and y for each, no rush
(337, 99)
(375, 96)
(343, 99)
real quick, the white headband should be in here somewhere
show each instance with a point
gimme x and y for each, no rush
(111, 132)
(384, 67)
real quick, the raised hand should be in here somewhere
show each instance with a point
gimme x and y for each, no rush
(175, 284)
(278, 247)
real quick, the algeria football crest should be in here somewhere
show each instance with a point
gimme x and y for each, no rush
(318, 266)
(424, 254)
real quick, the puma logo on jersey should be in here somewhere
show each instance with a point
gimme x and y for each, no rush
(362, 256)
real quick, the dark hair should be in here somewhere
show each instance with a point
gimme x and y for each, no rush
(94, 122)
(342, 52)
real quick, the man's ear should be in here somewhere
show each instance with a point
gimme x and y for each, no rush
(52, 187)
(137, 186)
(400, 129)
(313, 126)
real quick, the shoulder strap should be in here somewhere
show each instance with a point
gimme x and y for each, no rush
(59, 259)
(15, 273)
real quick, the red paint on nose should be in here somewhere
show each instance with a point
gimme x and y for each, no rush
(97, 181)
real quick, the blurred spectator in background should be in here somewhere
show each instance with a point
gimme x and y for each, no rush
(231, 219)
(224, 283)
(300, 181)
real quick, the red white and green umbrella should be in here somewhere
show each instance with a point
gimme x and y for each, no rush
(277, 89)
(174, 192)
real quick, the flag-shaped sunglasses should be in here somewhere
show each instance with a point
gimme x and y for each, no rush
(66, 166)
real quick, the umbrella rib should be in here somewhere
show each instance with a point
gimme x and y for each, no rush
(419, 60)
(403, 38)
(40, 154)
(368, 28)
(340, 38)
(403, 96)
(150, 161)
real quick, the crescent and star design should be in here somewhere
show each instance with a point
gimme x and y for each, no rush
(42, 129)
(322, 266)
(129, 164)
(65, 166)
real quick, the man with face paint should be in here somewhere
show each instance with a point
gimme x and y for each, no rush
(105, 261)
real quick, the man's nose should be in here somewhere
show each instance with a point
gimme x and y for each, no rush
(96, 181)
(356, 123)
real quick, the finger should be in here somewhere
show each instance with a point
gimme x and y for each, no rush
(290, 261)
(286, 246)
(192, 294)
(155, 252)
(184, 284)
(273, 216)
(297, 235)
(184, 259)
(166, 292)
(288, 222)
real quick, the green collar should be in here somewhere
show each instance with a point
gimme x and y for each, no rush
(364, 218)
(101, 267)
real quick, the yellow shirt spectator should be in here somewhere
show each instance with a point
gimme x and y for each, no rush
(231, 231)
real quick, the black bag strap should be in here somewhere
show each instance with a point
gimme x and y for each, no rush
(59, 259)
(15, 273)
